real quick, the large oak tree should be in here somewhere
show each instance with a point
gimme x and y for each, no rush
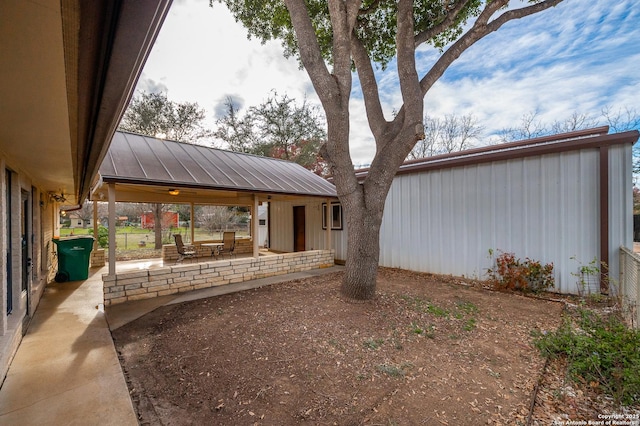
(334, 37)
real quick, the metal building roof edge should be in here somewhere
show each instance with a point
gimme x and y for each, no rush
(584, 139)
(106, 179)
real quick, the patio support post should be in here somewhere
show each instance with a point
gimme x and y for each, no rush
(112, 229)
(192, 216)
(95, 224)
(329, 221)
(254, 227)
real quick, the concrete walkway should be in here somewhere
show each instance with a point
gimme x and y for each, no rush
(66, 370)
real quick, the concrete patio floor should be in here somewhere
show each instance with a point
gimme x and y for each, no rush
(66, 370)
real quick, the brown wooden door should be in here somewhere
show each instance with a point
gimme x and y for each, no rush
(298, 228)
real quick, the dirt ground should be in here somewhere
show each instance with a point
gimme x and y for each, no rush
(428, 350)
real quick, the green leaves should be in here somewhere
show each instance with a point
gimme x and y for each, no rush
(376, 24)
(601, 352)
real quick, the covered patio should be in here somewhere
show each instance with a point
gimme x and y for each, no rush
(143, 169)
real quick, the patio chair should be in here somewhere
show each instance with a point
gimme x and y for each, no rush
(184, 251)
(229, 241)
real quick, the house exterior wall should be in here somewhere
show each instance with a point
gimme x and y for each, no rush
(544, 207)
(281, 223)
(76, 222)
(40, 229)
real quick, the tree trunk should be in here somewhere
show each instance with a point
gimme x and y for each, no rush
(157, 225)
(363, 252)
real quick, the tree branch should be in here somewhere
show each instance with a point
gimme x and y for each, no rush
(480, 29)
(449, 19)
(310, 52)
(371, 9)
(369, 85)
(522, 12)
(343, 16)
(407, 73)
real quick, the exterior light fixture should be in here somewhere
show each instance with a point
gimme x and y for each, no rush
(174, 191)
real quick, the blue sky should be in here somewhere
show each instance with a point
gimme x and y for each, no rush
(580, 56)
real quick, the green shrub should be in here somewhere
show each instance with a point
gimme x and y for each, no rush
(603, 353)
(103, 237)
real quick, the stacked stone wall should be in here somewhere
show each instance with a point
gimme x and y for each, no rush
(130, 286)
(97, 258)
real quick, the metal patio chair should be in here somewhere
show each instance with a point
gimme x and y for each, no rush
(185, 251)
(229, 241)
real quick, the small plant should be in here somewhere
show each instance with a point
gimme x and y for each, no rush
(511, 273)
(467, 307)
(415, 328)
(431, 332)
(373, 344)
(469, 325)
(601, 352)
(437, 311)
(391, 370)
(589, 274)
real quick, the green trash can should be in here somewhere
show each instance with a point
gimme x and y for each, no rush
(73, 258)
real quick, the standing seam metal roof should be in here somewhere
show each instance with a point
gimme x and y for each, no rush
(134, 158)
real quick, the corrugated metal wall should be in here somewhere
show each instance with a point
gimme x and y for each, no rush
(446, 221)
(620, 205)
(544, 207)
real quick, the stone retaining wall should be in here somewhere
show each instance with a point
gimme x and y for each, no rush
(168, 280)
(97, 258)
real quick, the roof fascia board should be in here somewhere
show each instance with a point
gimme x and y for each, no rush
(104, 180)
(114, 41)
(598, 131)
(514, 151)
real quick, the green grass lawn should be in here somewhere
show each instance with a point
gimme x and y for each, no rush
(134, 238)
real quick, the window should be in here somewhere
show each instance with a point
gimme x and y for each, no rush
(336, 216)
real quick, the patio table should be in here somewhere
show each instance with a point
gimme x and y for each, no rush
(215, 248)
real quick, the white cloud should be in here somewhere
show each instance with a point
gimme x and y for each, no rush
(576, 57)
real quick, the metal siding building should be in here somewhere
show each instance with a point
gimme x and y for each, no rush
(446, 221)
(539, 199)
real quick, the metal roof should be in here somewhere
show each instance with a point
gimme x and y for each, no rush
(144, 160)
